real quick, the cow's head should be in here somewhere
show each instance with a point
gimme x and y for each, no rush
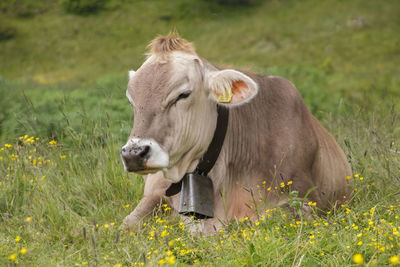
(174, 96)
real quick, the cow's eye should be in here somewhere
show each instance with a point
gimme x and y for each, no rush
(182, 96)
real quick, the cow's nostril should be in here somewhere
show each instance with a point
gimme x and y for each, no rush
(144, 152)
(123, 149)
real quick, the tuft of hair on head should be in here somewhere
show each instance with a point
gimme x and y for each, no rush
(172, 42)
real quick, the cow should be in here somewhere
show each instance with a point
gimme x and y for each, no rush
(273, 144)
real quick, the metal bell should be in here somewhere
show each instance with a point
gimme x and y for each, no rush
(197, 196)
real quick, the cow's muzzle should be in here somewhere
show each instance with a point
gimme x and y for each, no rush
(144, 156)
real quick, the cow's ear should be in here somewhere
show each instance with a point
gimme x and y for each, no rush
(131, 73)
(231, 87)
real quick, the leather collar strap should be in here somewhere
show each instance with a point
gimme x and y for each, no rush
(210, 157)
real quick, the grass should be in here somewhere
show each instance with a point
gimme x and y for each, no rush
(76, 199)
(334, 64)
(63, 80)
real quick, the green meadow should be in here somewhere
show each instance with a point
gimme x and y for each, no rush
(64, 118)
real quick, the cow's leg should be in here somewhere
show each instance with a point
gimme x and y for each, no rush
(154, 193)
(206, 227)
(329, 170)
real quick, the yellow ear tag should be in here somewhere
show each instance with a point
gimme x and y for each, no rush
(225, 98)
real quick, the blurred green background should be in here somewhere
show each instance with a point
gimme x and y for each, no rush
(63, 64)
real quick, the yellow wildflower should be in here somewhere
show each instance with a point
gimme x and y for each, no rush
(358, 258)
(12, 257)
(168, 253)
(53, 142)
(164, 233)
(394, 259)
(28, 219)
(17, 238)
(171, 260)
(23, 251)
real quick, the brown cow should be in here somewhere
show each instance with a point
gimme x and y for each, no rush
(271, 137)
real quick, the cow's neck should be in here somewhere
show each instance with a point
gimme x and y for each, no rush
(242, 154)
(210, 157)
